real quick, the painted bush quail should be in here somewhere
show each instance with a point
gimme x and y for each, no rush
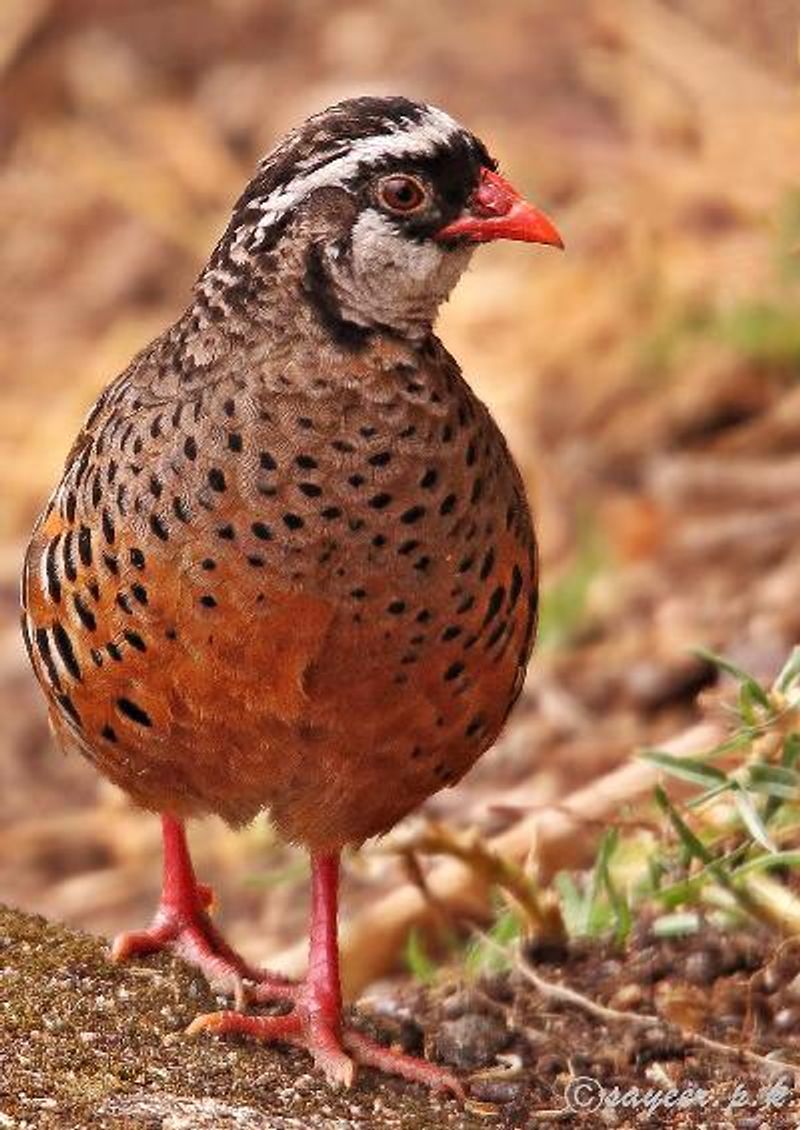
(290, 565)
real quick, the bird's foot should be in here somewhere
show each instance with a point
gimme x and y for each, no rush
(185, 929)
(336, 1052)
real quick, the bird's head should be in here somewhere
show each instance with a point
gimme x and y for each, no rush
(380, 201)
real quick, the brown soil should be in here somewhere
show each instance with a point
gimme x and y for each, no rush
(85, 1044)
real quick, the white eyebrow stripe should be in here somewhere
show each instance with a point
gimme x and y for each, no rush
(422, 138)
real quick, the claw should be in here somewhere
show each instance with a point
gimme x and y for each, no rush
(327, 1049)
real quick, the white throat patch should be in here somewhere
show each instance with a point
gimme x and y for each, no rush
(390, 280)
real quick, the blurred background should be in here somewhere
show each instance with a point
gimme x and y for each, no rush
(647, 379)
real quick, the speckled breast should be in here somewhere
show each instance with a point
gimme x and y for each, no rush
(313, 595)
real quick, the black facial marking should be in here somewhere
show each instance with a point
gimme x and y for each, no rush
(320, 291)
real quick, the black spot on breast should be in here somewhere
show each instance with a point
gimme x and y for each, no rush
(208, 564)
(65, 650)
(380, 501)
(135, 640)
(181, 510)
(53, 579)
(412, 515)
(487, 564)
(227, 533)
(356, 480)
(121, 600)
(330, 512)
(190, 448)
(43, 646)
(69, 708)
(137, 558)
(109, 733)
(310, 490)
(396, 608)
(293, 521)
(306, 462)
(235, 443)
(109, 530)
(450, 632)
(453, 671)
(134, 712)
(261, 531)
(497, 632)
(159, 528)
(516, 587)
(267, 462)
(70, 570)
(495, 602)
(477, 723)
(216, 480)
(139, 593)
(85, 615)
(380, 458)
(111, 564)
(208, 601)
(156, 486)
(429, 479)
(466, 604)
(85, 546)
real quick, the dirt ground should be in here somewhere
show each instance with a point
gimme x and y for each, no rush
(89, 1045)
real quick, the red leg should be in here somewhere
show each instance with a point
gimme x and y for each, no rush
(316, 1022)
(182, 925)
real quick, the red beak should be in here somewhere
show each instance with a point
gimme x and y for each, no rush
(497, 211)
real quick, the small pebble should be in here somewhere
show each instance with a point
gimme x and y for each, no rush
(627, 997)
(701, 967)
(787, 1019)
(471, 1041)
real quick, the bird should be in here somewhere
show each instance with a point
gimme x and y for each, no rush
(290, 566)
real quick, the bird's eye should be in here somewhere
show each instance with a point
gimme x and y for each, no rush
(402, 194)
